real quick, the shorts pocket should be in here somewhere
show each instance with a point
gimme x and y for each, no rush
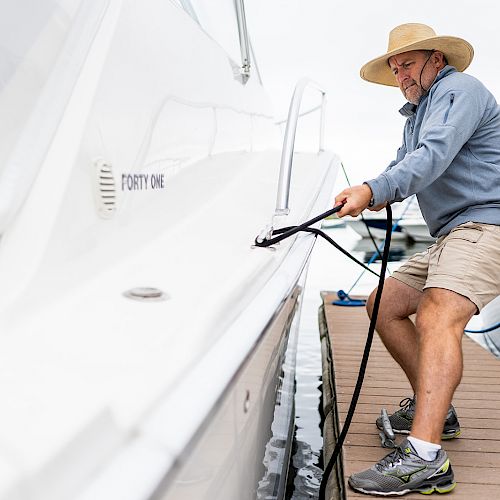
(458, 248)
(469, 231)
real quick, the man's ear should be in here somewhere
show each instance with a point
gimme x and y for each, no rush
(438, 58)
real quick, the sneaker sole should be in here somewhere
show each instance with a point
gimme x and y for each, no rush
(455, 434)
(439, 489)
(445, 488)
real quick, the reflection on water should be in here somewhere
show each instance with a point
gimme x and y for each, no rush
(305, 471)
(308, 474)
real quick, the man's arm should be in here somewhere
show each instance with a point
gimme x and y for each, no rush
(452, 120)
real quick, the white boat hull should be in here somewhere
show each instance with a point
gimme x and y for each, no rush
(228, 458)
(108, 397)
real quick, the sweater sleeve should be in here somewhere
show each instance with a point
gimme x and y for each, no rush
(451, 118)
(401, 153)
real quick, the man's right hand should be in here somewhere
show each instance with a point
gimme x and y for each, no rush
(356, 199)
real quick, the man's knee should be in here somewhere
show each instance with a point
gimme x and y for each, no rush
(398, 300)
(443, 310)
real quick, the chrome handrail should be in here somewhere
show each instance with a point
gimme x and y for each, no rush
(289, 141)
(304, 113)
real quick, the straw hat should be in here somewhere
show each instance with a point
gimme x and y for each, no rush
(415, 36)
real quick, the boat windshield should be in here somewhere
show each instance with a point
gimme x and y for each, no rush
(220, 23)
(43, 44)
(32, 33)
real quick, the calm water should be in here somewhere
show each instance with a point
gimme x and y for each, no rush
(328, 270)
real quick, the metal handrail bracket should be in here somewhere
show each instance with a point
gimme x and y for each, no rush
(244, 44)
(289, 142)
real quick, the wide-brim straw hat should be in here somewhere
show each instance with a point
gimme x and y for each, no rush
(415, 36)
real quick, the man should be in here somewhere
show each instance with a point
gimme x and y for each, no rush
(450, 158)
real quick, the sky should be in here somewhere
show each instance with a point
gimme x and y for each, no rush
(328, 41)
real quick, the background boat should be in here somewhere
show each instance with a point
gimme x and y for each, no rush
(407, 223)
(416, 229)
(374, 225)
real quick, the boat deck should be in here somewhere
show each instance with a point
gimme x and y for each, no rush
(475, 456)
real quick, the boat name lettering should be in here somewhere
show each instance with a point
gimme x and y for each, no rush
(142, 182)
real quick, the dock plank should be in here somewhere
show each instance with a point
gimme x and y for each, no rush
(475, 456)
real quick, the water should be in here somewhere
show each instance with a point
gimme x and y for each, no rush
(329, 270)
(308, 441)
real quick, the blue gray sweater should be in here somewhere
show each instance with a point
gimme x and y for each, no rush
(450, 155)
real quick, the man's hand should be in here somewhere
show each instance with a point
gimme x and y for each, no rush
(356, 199)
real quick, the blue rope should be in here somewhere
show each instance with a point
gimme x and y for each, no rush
(484, 330)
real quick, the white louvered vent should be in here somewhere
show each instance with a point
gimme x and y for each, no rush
(106, 189)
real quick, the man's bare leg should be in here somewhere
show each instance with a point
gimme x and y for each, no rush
(441, 318)
(399, 301)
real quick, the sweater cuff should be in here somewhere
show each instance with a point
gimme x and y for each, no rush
(381, 191)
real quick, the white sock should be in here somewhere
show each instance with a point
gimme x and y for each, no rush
(427, 451)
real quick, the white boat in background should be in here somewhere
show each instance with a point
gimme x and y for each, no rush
(416, 229)
(143, 354)
(374, 225)
(408, 223)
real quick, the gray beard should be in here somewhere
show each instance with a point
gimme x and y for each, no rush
(413, 96)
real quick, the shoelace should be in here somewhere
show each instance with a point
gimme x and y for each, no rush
(394, 458)
(406, 404)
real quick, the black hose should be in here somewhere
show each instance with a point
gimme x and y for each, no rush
(362, 369)
(286, 232)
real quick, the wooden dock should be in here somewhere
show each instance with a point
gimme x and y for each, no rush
(475, 455)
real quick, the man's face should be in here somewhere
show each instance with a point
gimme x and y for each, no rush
(407, 69)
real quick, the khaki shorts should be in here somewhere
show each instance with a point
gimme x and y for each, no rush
(465, 261)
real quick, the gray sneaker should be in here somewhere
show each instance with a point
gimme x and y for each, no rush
(402, 419)
(403, 471)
